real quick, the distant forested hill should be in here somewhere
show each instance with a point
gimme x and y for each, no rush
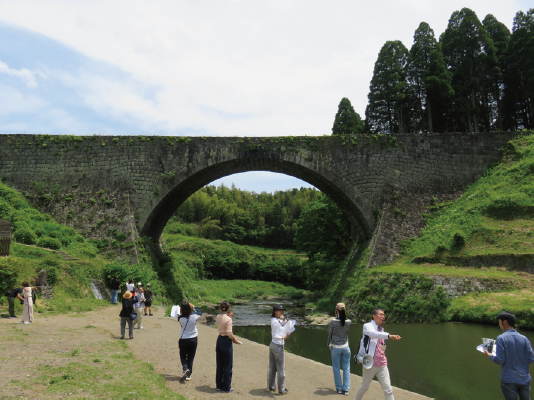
(243, 217)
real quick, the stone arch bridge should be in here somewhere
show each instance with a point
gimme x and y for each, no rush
(159, 173)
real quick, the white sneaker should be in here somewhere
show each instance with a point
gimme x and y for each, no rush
(185, 375)
(140, 327)
(188, 378)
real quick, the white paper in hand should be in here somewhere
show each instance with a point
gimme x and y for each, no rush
(289, 327)
(175, 311)
(480, 348)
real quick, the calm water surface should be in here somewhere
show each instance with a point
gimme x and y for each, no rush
(436, 360)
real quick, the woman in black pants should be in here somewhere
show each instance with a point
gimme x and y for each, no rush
(188, 338)
(223, 349)
(127, 310)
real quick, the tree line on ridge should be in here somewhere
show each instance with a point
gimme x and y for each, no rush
(478, 77)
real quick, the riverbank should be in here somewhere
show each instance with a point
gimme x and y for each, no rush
(60, 339)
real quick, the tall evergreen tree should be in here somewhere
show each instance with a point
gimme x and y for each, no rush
(347, 121)
(428, 79)
(387, 110)
(500, 35)
(470, 55)
(520, 61)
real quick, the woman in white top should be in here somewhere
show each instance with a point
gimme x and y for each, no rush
(338, 343)
(276, 350)
(27, 313)
(130, 286)
(188, 338)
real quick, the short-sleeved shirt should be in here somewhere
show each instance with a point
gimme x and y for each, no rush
(115, 284)
(148, 294)
(16, 291)
(224, 324)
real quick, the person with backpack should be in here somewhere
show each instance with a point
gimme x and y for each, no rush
(373, 342)
(188, 338)
(148, 300)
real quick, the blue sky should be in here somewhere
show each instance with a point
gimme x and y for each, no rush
(201, 68)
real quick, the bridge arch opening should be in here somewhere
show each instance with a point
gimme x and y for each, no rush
(182, 190)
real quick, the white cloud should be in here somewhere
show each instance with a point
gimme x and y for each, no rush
(24, 74)
(234, 67)
(13, 101)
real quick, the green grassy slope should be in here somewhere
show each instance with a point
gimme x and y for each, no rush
(34, 236)
(486, 235)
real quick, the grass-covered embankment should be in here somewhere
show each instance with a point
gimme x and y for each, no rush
(215, 270)
(35, 235)
(476, 243)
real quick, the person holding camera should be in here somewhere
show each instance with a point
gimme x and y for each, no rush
(11, 296)
(276, 350)
(128, 301)
(139, 308)
(338, 343)
(188, 338)
(374, 343)
(224, 350)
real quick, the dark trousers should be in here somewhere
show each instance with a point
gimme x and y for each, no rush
(124, 321)
(225, 359)
(188, 349)
(512, 390)
(11, 303)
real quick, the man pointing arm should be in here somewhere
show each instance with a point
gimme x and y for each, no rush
(377, 348)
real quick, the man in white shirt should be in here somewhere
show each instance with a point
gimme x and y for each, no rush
(373, 343)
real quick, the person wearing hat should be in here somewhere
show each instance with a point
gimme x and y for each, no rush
(128, 302)
(276, 350)
(148, 299)
(338, 343)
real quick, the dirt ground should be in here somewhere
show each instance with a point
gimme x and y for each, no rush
(157, 344)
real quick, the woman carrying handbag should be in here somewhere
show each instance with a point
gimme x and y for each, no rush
(126, 313)
(188, 338)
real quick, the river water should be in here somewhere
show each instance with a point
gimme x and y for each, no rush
(436, 360)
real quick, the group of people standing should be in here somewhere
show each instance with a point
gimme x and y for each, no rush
(224, 346)
(338, 342)
(26, 296)
(135, 304)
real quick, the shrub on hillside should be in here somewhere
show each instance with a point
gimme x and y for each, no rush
(52, 266)
(25, 236)
(49, 243)
(8, 275)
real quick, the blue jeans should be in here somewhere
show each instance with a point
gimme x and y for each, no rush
(114, 294)
(510, 391)
(341, 357)
(225, 358)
